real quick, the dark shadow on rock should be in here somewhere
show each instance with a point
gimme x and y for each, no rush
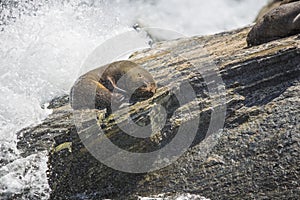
(256, 89)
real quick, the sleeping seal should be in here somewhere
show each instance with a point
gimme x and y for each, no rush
(278, 23)
(112, 84)
(270, 6)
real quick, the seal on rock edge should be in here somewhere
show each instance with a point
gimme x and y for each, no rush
(270, 6)
(278, 23)
(112, 84)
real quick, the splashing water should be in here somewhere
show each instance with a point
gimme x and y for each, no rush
(43, 44)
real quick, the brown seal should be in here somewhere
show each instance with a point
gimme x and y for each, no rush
(112, 83)
(270, 6)
(278, 23)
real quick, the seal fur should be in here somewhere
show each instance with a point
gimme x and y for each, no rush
(112, 84)
(278, 23)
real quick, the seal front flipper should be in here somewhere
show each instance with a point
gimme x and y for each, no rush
(106, 99)
(116, 87)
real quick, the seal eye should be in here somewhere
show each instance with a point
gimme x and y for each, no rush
(140, 76)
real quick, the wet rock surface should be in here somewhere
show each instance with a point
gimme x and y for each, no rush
(255, 155)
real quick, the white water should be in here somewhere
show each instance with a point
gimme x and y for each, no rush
(40, 58)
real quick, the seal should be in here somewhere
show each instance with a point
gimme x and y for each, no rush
(270, 6)
(287, 1)
(112, 84)
(278, 23)
(267, 8)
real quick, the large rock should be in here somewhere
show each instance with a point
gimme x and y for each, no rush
(254, 156)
